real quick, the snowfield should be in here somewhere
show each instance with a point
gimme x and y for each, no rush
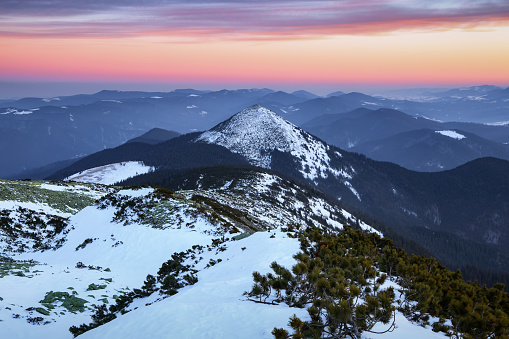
(110, 174)
(215, 307)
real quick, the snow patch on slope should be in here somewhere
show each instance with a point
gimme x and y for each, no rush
(110, 174)
(257, 131)
(452, 134)
(354, 191)
(37, 207)
(16, 112)
(51, 99)
(120, 254)
(500, 123)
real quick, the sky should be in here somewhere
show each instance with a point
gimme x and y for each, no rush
(77, 45)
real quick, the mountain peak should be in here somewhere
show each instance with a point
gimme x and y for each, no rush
(257, 132)
(252, 132)
(252, 116)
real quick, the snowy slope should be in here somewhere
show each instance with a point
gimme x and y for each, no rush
(216, 308)
(33, 214)
(109, 248)
(118, 255)
(272, 200)
(257, 131)
(111, 174)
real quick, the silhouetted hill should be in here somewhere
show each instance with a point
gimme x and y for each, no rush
(429, 151)
(305, 94)
(281, 98)
(177, 153)
(155, 136)
(349, 129)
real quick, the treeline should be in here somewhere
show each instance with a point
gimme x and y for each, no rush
(485, 276)
(479, 262)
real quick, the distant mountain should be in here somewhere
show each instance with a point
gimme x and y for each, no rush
(155, 136)
(256, 132)
(72, 126)
(281, 98)
(353, 128)
(482, 107)
(417, 94)
(191, 91)
(335, 94)
(361, 125)
(42, 131)
(305, 94)
(465, 92)
(80, 99)
(428, 150)
(302, 112)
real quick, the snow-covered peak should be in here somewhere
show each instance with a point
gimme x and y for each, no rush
(257, 131)
(452, 134)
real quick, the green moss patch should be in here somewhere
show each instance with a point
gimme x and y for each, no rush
(42, 310)
(94, 287)
(69, 302)
(31, 191)
(12, 267)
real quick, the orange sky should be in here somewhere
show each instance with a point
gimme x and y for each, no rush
(375, 48)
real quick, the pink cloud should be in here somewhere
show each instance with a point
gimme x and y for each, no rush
(243, 19)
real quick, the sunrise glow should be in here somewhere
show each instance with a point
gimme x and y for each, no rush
(330, 42)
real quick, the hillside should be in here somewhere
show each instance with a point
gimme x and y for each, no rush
(448, 214)
(176, 153)
(430, 151)
(150, 261)
(111, 173)
(39, 131)
(363, 125)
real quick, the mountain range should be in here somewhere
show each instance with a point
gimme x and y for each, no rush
(40, 131)
(432, 150)
(391, 135)
(459, 216)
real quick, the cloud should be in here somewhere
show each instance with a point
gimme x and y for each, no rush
(236, 19)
